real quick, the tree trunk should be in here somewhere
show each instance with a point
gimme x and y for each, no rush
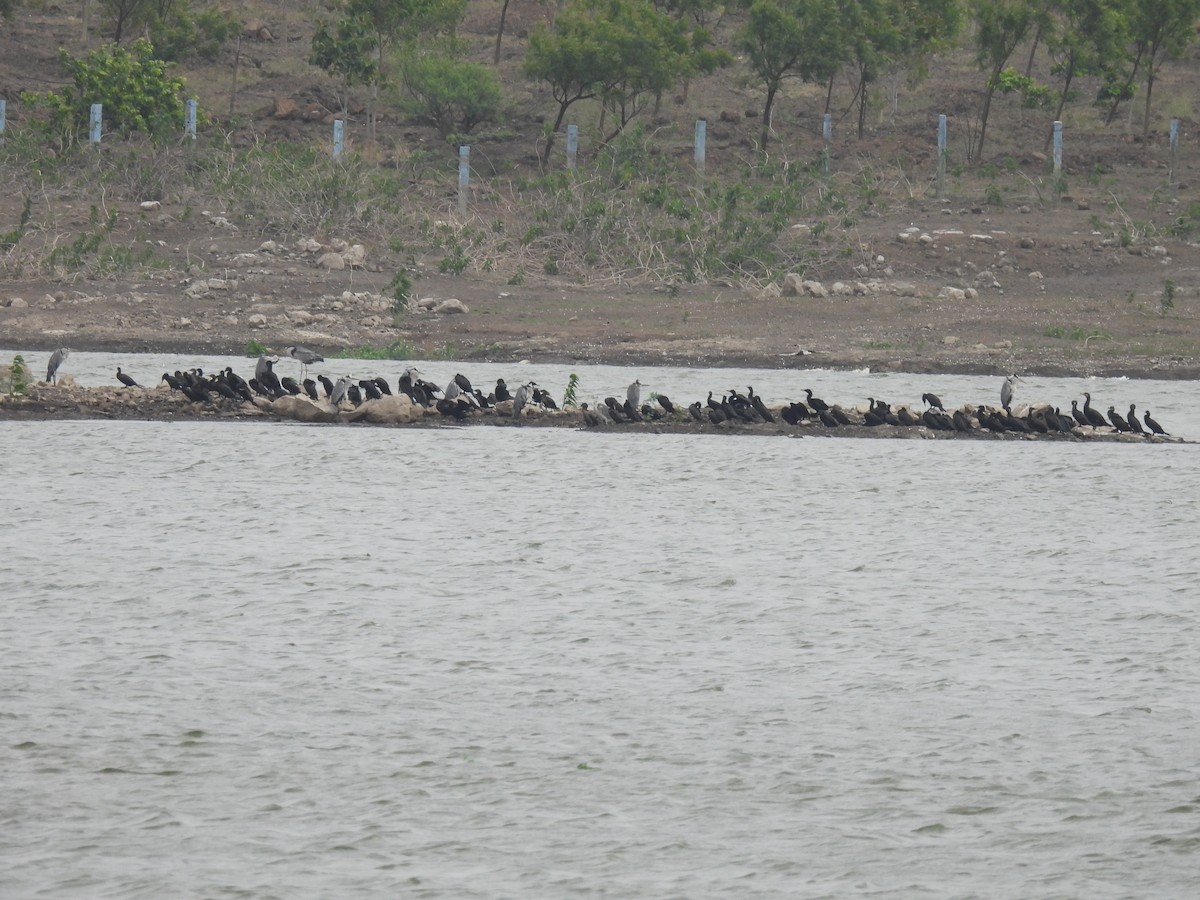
(983, 113)
(562, 114)
(1037, 39)
(1149, 91)
(828, 94)
(766, 122)
(500, 32)
(1069, 74)
(1112, 110)
(862, 105)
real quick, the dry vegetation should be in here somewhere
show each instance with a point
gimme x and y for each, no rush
(634, 255)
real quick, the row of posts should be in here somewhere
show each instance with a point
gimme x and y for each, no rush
(464, 152)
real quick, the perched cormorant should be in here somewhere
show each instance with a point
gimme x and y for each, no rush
(289, 384)
(826, 417)
(906, 418)
(327, 384)
(1118, 422)
(1078, 413)
(370, 389)
(310, 388)
(816, 404)
(1134, 425)
(665, 402)
(126, 380)
(1152, 425)
(695, 410)
(759, 406)
(932, 400)
(502, 393)
(381, 383)
(1094, 418)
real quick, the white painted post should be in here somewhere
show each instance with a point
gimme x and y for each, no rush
(94, 123)
(189, 119)
(339, 138)
(1170, 170)
(464, 176)
(827, 134)
(3, 112)
(701, 134)
(941, 157)
(1057, 149)
(572, 145)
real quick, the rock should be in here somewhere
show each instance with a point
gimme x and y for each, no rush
(300, 317)
(258, 320)
(231, 321)
(1083, 204)
(308, 245)
(451, 307)
(331, 261)
(841, 289)
(303, 410)
(904, 289)
(983, 238)
(792, 285)
(1027, 243)
(971, 293)
(185, 323)
(771, 291)
(1036, 276)
(862, 271)
(149, 205)
(949, 340)
(355, 256)
(952, 293)
(814, 289)
(370, 322)
(284, 108)
(268, 247)
(925, 239)
(396, 409)
(18, 303)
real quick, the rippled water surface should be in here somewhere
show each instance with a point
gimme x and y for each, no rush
(267, 660)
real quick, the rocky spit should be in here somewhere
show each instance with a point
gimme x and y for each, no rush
(68, 401)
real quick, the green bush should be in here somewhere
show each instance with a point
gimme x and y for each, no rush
(187, 35)
(452, 95)
(134, 87)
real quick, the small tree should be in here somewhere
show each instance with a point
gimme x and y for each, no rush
(792, 39)
(1001, 25)
(453, 95)
(133, 85)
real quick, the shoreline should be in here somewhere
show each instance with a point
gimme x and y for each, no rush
(634, 356)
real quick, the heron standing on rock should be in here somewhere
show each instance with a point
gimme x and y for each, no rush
(520, 398)
(634, 394)
(305, 357)
(1006, 390)
(57, 358)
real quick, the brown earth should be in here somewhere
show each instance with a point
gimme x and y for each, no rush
(1090, 282)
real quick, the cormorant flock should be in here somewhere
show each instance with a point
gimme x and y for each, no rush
(459, 399)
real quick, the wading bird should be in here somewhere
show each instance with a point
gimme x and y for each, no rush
(305, 357)
(1006, 390)
(57, 358)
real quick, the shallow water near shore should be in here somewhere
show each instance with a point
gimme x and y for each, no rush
(280, 661)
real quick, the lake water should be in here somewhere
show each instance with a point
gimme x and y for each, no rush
(265, 660)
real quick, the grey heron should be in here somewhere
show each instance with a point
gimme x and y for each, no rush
(305, 357)
(263, 365)
(520, 398)
(453, 389)
(634, 394)
(57, 358)
(1006, 390)
(338, 394)
(126, 380)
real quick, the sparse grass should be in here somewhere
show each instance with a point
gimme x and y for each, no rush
(397, 349)
(1077, 333)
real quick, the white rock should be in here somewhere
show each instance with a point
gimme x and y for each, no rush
(308, 245)
(925, 239)
(331, 261)
(396, 409)
(862, 271)
(303, 410)
(257, 320)
(300, 317)
(971, 293)
(355, 256)
(18, 303)
(985, 238)
(952, 293)
(150, 205)
(904, 289)
(268, 247)
(793, 285)
(841, 289)
(1036, 276)
(451, 307)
